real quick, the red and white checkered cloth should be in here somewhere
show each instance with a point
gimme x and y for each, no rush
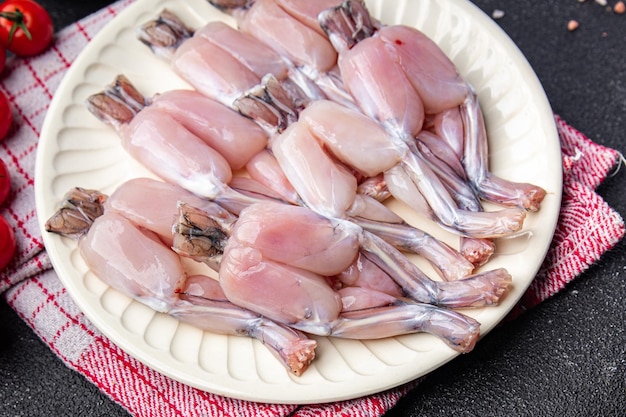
(588, 227)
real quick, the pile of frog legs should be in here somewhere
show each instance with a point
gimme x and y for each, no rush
(275, 170)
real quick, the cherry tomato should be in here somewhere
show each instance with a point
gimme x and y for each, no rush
(5, 182)
(25, 27)
(6, 116)
(7, 243)
(3, 58)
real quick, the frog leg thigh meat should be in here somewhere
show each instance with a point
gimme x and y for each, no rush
(156, 137)
(135, 261)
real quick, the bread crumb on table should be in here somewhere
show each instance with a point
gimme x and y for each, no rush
(497, 14)
(572, 25)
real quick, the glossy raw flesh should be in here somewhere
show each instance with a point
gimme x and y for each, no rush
(157, 137)
(324, 186)
(255, 55)
(353, 138)
(212, 70)
(381, 87)
(161, 144)
(301, 169)
(303, 46)
(269, 233)
(418, 72)
(259, 269)
(153, 205)
(307, 11)
(458, 331)
(298, 237)
(431, 73)
(132, 261)
(363, 273)
(203, 304)
(261, 234)
(302, 152)
(221, 62)
(121, 247)
(259, 272)
(292, 30)
(476, 163)
(264, 168)
(236, 138)
(324, 274)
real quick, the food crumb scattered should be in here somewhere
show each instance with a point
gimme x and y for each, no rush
(601, 2)
(572, 25)
(497, 14)
(619, 7)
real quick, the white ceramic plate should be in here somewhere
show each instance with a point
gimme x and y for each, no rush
(77, 150)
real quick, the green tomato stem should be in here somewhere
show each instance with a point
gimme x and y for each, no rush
(17, 17)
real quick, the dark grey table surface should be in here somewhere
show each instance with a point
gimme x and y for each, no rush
(566, 357)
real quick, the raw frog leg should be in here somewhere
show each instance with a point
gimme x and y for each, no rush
(445, 161)
(258, 272)
(133, 260)
(368, 313)
(429, 77)
(154, 136)
(363, 273)
(329, 189)
(153, 205)
(288, 27)
(427, 70)
(353, 138)
(235, 137)
(220, 61)
(263, 233)
(203, 304)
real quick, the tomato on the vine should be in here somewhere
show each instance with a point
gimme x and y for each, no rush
(6, 116)
(26, 28)
(5, 182)
(7, 243)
